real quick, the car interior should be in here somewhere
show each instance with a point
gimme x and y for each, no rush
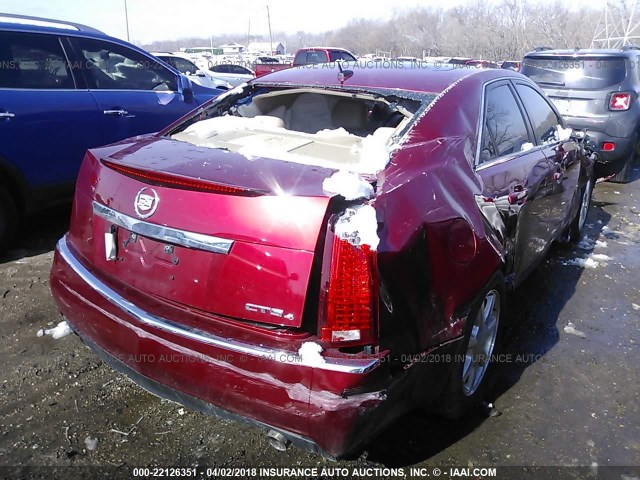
(110, 70)
(322, 124)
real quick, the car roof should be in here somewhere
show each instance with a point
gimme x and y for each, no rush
(24, 23)
(411, 76)
(10, 21)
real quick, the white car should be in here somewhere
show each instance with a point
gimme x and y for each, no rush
(233, 73)
(196, 75)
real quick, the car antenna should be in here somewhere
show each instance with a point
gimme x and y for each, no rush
(344, 74)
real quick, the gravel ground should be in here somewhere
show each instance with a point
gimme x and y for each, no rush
(568, 396)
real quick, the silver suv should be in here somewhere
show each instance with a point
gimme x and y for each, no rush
(596, 90)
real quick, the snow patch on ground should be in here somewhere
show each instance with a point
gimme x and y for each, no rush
(59, 331)
(359, 225)
(310, 354)
(586, 244)
(582, 262)
(571, 329)
(350, 185)
(91, 443)
(601, 257)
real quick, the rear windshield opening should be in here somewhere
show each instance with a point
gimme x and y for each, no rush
(581, 73)
(306, 125)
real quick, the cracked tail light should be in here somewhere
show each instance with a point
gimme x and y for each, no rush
(349, 304)
(620, 101)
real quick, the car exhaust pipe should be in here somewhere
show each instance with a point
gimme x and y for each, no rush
(278, 441)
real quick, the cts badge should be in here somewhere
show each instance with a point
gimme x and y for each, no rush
(145, 204)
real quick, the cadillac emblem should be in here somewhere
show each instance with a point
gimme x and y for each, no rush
(146, 202)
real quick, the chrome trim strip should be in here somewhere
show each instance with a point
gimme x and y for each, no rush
(183, 238)
(353, 366)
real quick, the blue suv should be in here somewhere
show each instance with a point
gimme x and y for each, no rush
(64, 88)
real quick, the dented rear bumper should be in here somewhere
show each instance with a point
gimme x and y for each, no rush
(331, 407)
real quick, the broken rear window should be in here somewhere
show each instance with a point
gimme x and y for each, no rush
(332, 128)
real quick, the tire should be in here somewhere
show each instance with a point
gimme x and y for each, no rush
(8, 220)
(472, 371)
(578, 222)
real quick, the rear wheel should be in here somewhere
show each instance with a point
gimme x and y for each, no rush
(472, 369)
(581, 217)
(8, 219)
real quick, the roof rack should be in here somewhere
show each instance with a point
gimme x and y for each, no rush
(45, 22)
(541, 49)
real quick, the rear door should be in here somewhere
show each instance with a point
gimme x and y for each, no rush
(517, 176)
(558, 148)
(46, 122)
(135, 93)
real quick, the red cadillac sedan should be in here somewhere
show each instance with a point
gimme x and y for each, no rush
(319, 251)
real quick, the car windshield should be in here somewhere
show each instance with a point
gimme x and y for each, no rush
(580, 73)
(330, 128)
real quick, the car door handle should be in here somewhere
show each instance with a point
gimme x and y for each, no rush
(7, 115)
(117, 112)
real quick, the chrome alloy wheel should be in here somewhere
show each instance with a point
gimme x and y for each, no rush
(584, 205)
(481, 343)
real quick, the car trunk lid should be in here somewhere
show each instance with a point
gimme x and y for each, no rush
(207, 229)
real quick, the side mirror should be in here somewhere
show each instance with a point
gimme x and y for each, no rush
(185, 89)
(199, 73)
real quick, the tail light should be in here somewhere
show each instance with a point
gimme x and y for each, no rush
(349, 297)
(620, 101)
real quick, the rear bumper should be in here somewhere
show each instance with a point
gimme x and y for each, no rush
(596, 131)
(332, 407)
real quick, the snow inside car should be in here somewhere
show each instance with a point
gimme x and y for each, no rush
(296, 252)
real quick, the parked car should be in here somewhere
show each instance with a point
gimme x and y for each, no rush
(596, 90)
(233, 73)
(511, 65)
(313, 55)
(318, 253)
(265, 65)
(481, 64)
(65, 88)
(196, 75)
(459, 60)
(308, 56)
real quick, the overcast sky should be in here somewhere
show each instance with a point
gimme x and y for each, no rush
(151, 20)
(170, 19)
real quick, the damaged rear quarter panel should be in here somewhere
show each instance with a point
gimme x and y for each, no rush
(429, 183)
